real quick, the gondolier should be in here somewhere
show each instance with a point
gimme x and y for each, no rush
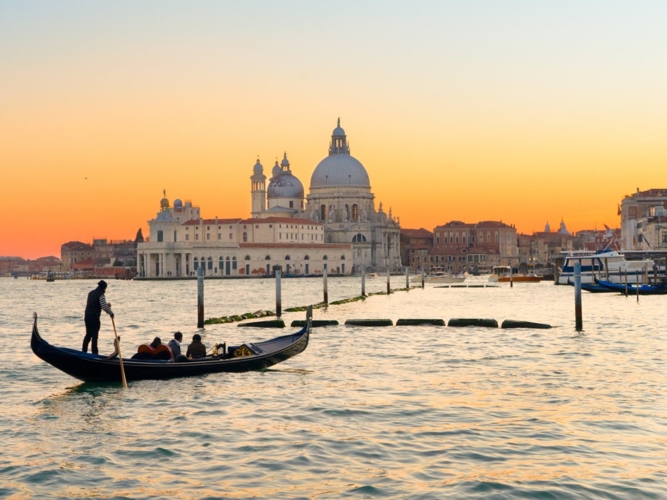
(94, 306)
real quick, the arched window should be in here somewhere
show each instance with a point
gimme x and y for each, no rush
(323, 212)
(287, 257)
(196, 263)
(247, 257)
(358, 238)
(306, 258)
(227, 258)
(342, 257)
(210, 263)
(325, 258)
(234, 262)
(268, 257)
(355, 212)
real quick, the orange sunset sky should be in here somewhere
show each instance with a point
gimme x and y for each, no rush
(520, 111)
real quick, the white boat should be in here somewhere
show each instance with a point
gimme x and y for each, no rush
(439, 275)
(608, 265)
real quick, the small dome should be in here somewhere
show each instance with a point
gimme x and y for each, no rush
(338, 131)
(285, 185)
(178, 203)
(276, 169)
(164, 202)
(285, 162)
(258, 168)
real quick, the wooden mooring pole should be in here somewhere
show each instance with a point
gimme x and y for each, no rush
(279, 302)
(326, 292)
(511, 277)
(363, 281)
(577, 297)
(388, 282)
(407, 278)
(423, 278)
(200, 297)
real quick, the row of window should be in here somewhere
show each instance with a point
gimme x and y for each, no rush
(450, 258)
(247, 257)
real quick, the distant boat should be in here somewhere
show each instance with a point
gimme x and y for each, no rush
(50, 277)
(501, 274)
(439, 275)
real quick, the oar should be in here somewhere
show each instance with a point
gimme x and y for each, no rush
(120, 356)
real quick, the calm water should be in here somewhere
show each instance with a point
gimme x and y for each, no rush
(394, 412)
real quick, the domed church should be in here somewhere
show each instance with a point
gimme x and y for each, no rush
(340, 198)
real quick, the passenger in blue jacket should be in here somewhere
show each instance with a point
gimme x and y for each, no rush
(94, 307)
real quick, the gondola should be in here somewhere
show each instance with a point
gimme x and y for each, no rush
(592, 287)
(644, 289)
(97, 368)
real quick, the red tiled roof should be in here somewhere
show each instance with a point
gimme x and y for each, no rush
(417, 233)
(211, 222)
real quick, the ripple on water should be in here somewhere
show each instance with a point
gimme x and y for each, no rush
(409, 412)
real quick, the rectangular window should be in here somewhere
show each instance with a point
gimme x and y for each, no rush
(196, 236)
(187, 237)
(231, 236)
(208, 236)
(219, 236)
(160, 236)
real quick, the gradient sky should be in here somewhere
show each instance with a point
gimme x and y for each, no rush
(520, 111)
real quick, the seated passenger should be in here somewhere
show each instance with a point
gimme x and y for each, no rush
(196, 349)
(175, 346)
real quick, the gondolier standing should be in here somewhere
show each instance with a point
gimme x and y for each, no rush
(96, 303)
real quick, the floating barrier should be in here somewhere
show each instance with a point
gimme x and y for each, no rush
(239, 317)
(420, 321)
(488, 323)
(274, 323)
(510, 323)
(315, 322)
(369, 322)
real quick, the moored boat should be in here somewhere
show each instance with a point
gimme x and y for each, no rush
(634, 288)
(609, 265)
(97, 368)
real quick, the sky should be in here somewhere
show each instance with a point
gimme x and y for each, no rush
(524, 111)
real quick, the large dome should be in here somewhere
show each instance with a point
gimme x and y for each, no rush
(340, 170)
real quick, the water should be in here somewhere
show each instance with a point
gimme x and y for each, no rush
(395, 412)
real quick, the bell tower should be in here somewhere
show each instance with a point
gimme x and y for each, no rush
(258, 190)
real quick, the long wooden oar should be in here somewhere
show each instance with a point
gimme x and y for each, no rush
(120, 356)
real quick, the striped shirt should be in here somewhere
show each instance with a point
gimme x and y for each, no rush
(105, 307)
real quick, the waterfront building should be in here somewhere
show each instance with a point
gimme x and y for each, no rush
(181, 242)
(415, 246)
(335, 227)
(639, 218)
(92, 258)
(475, 247)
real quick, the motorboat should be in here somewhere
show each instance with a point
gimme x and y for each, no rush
(609, 265)
(503, 274)
(440, 275)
